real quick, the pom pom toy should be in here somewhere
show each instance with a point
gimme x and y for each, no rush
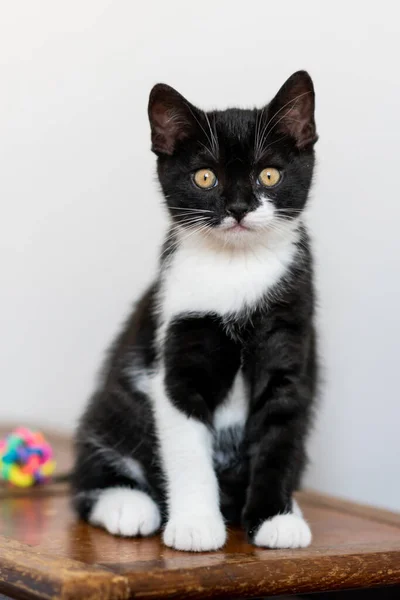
(25, 458)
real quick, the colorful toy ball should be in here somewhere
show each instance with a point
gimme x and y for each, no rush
(26, 458)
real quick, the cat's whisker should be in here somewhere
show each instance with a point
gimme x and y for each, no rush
(190, 227)
(183, 216)
(176, 236)
(214, 138)
(211, 149)
(266, 132)
(207, 149)
(190, 218)
(281, 225)
(288, 209)
(192, 232)
(187, 222)
(265, 148)
(291, 101)
(179, 219)
(203, 210)
(258, 131)
(283, 231)
(279, 120)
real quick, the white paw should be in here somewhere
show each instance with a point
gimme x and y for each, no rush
(195, 533)
(122, 511)
(284, 531)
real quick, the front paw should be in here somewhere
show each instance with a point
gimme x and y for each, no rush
(283, 531)
(195, 533)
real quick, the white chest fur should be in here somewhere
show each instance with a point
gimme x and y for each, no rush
(203, 280)
(233, 411)
(230, 415)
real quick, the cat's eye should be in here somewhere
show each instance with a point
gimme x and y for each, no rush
(205, 179)
(269, 177)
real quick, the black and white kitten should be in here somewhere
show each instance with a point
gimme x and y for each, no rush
(202, 412)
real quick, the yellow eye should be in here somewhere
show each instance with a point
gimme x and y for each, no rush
(269, 177)
(205, 179)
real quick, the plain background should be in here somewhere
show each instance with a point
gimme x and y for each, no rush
(82, 220)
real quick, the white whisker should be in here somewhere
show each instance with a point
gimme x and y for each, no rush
(266, 132)
(211, 149)
(190, 209)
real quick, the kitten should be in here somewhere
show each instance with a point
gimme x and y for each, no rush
(203, 409)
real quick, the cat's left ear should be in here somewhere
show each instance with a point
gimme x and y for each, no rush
(292, 110)
(171, 118)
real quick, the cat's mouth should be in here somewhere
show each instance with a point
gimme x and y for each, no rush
(233, 226)
(238, 228)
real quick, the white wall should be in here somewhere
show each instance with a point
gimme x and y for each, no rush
(81, 217)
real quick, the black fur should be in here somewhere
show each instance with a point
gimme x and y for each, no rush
(273, 343)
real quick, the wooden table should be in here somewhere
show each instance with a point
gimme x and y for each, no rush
(46, 553)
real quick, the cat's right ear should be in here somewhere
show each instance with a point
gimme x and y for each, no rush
(172, 118)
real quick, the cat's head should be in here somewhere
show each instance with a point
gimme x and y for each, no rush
(235, 176)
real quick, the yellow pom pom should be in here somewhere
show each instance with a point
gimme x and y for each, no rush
(18, 478)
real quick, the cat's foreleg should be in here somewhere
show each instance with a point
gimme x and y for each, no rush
(191, 375)
(194, 517)
(277, 433)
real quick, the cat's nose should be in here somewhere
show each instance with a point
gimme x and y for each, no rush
(237, 211)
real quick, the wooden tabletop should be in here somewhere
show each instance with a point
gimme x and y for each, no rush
(46, 553)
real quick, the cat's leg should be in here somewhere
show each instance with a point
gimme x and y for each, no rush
(194, 518)
(110, 484)
(271, 516)
(197, 370)
(108, 497)
(277, 431)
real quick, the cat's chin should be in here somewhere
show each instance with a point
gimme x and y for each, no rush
(240, 237)
(232, 238)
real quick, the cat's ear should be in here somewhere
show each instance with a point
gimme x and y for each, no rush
(292, 110)
(172, 118)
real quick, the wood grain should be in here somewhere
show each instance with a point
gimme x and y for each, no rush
(46, 553)
(32, 573)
